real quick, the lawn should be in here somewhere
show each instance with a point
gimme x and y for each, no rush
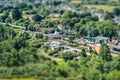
(76, 1)
(52, 19)
(24, 15)
(103, 7)
(1, 14)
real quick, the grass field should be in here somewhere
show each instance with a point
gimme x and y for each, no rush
(1, 14)
(76, 1)
(103, 7)
(25, 15)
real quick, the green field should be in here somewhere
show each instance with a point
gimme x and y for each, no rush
(1, 14)
(76, 1)
(25, 15)
(103, 7)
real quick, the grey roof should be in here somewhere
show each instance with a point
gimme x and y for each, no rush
(101, 38)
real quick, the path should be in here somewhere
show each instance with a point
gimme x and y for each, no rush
(21, 27)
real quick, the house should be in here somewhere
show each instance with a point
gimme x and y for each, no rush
(102, 40)
(118, 43)
(63, 27)
(55, 35)
(115, 48)
(89, 39)
(116, 20)
(97, 48)
(114, 41)
(54, 45)
(71, 49)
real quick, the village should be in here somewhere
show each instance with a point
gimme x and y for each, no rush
(57, 38)
(57, 43)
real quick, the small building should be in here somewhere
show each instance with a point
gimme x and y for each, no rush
(116, 20)
(115, 49)
(89, 39)
(71, 49)
(102, 40)
(55, 35)
(61, 27)
(97, 48)
(114, 41)
(54, 45)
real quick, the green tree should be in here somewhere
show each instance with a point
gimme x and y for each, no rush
(113, 75)
(105, 53)
(8, 20)
(77, 27)
(68, 55)
(117, 11)
(83, 53)
(16, 14)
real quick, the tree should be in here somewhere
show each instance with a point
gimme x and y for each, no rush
(77, 27)
(113, 65)
(4, 16)
(113, 75)
(117, 11)
(65, 21)
(93, 75)
(83, 53)
(108, 15)
(94, 18)
(16, 14)
(44, 11)
(68, 55)
(105, 53)
(8, 20)
(69, 14)
(36, 17)
(95, 63)
(38, 35)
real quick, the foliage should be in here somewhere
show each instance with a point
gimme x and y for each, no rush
(16, 14)
(23, 53)
(36, 18)
(105, 53)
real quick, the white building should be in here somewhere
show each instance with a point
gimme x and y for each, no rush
(116, 20)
